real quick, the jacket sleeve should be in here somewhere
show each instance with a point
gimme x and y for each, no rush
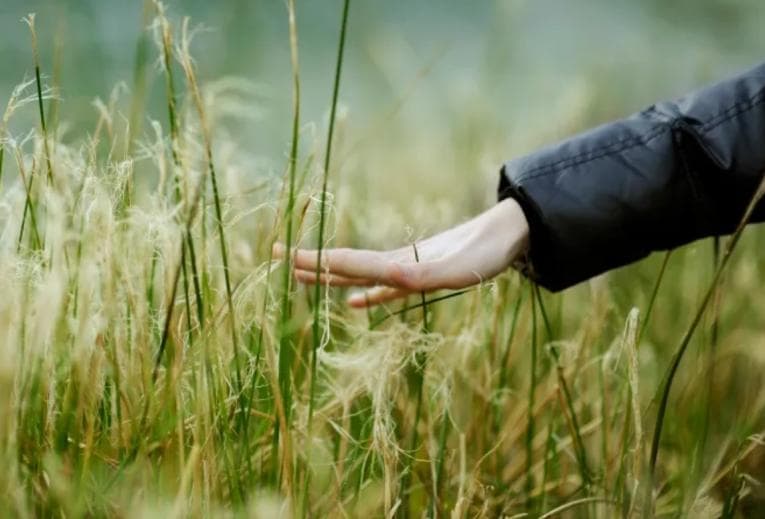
(673, 173)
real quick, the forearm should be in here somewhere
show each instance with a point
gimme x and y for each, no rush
(671, 174)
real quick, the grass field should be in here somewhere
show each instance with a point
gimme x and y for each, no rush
(156, 360)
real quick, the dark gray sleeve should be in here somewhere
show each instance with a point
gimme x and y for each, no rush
(673, 173)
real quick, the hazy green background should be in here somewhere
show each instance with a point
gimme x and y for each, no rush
(513, 67)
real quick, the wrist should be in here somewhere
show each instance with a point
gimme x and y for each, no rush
(513, 221)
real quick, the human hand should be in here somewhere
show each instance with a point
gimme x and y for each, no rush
(465, 255)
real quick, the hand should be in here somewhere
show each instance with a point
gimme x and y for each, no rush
(465, 255)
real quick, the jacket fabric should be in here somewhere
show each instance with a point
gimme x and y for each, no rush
(673, 173)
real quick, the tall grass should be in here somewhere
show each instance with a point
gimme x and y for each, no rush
(758, 195)
(147, 370)
(316, 326)
(30, 21)
(286, 341)
(317, 298)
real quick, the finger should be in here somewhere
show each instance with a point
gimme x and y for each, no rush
(403, 254)
(350, 263)
(309, 277)
(376, 296)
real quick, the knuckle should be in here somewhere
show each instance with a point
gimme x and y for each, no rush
(412, 277)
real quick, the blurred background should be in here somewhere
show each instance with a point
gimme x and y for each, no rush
(446, 81)
(434, 96)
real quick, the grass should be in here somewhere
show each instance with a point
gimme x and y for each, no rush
(30, 20)
(148, 370)
(678, 356)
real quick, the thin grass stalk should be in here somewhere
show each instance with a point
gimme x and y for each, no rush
(419, 375)
(506, 355)
(654, 294)
(677, 357)
(569, 410)
(621, 483)
(286, 345)
(716, 310)
(710, 364)
(191, 79)
(429, 302)
(187, 242)
(632, 419)
(29, 208)
(531, 400)
(256, 372)
(189, 326)
(604, 430)
(168, 314)
(194, 277)
(30, 21)
(255, 347)
(503, 379)
(439, 476)
(316, 326)
(277, 395)
(633, 376)
(550, 450)
(174, 145)
(190, 214)
(287, 275)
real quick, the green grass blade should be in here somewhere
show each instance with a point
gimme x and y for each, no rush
(286, 344)
(529, 486)
(678, 355)
(316, 325)
(654, 294)
(581, 452)
(421, 360)
(30, 20)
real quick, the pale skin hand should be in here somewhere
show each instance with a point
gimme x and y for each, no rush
(465, 255)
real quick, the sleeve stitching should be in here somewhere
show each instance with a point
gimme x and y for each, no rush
(733, 111)
(617, 147)
(630, 142)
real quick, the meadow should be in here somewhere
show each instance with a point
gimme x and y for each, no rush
(158, 361)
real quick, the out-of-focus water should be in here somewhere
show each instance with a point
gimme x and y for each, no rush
(510, 66)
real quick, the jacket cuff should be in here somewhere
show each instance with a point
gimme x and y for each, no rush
(550, 260)
(603, 199)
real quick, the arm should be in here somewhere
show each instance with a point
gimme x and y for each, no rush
(673, 173)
